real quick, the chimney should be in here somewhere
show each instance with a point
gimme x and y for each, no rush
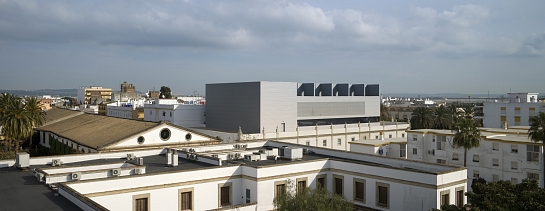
(169, 157)
(504, 126)
(174, 157)
(140, 161)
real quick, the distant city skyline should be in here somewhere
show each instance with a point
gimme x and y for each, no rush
(422, 46)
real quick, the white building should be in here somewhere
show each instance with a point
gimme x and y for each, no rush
(184, 115)
(517, 112)
(125, 110)
(504, 154)
(238, 177)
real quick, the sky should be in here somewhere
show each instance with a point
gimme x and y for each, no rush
(405, 46)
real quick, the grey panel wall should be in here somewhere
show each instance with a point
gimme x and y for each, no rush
(337, 107)
(230, 105)
(279, 105)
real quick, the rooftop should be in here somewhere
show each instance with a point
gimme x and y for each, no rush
(378, 142)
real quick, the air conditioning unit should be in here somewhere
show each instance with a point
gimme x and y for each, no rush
(116, 172)
(195, 157)
(192, 149)
(76, 176)
(187, 155)
(131, 156)
(243, 145)
(56, 162)
(215, 155)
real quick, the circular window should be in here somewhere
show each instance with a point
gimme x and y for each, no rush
(165, 134)
(141, 140)
(188, 137)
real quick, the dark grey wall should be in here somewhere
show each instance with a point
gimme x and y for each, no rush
(230, 105)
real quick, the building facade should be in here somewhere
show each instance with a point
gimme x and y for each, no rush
(503, 154)
(517, 112)
(184, 115)
(284, 106)
(94, 95)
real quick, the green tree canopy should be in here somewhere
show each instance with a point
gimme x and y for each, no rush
(443, 118)
(310, 199)
(422, 118)
(165, 92)
(385, 113)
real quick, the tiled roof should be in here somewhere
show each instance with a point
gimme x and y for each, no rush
(56, 114)
(95, 131)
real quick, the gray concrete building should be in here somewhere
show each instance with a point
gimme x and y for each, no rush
(284, 106)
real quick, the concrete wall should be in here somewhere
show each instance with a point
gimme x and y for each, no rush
(231, 105)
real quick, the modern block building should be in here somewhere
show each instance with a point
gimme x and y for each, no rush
(504, 154)
(184, 115)
(284, 106)
(517, 112)
(94, 95)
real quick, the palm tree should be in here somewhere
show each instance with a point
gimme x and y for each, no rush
(536, 133)
(467, 135)
(36, 113)
(422, 118)
(442, 118)
(17, 123)
(6, 99)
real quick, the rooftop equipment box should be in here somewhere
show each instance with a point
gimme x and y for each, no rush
(293, 153)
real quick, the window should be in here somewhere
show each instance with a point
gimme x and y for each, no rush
(441, 142)
(376, 137)
(164, 113)
(514, 181)
(301, 184)
(533, 176)
(185, 199)
(441, 161)
(460, 197)
(339, 141)
(531, 112)
(359, 190)
(165, 134)
(517, 110)
(514, 148)
(415, 138)
(455, 156)
(495, 162)
(338, 184)
(141, 202)
(476, 174)
(170, 114)
(402, 150)
(496, 146)
(514, 165)
(495, 177)
(383, 195)
(279, 188)
(476, 158)
(225, 198)
(445, 196)
(248, 196)
(403, 135)
(325, 143)
(517, 121)
(308, 143)
(353, 139)
(532, 153)
(415, 151)
(503, 119)
(503, 110)
(321, 180)
(390, 136)
(364, 137)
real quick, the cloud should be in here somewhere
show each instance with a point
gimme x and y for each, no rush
(259, 25)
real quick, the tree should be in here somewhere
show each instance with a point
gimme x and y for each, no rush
(310, 199)
(467, 135)
(385, 113)
(17, 123)
(422, 118)
(165, 92)
(536, 133)
(442, 118)
(35, 112)
(6, 100)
